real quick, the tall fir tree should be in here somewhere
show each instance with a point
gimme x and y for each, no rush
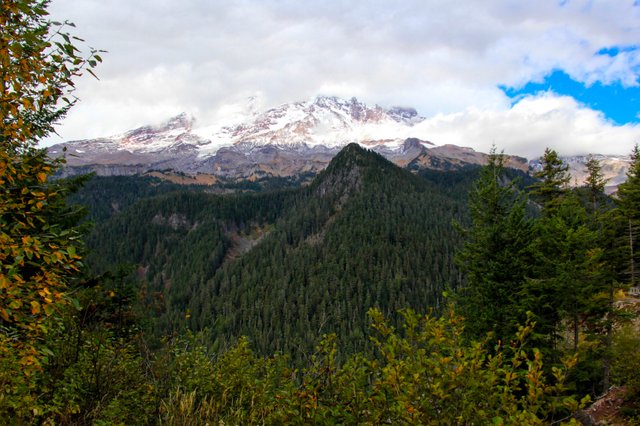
(595, 183)
(496, 257)
(619, 226)
(569, 287)
(628, 200)
(553, 181)
(567, 263)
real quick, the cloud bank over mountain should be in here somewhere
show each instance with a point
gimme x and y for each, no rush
(448, 60)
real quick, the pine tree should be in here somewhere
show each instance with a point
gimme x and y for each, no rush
(620, 234)
(595, 182)
(554, 180)
(495, 258)
(570, 280)
(628, 200)
(602, 220)
(568, 260)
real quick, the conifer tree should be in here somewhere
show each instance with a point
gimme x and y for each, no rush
(595, 182)
(570, 280)
(628, 200)
(567, 263)
(619, 230)
(540, 294)
(495, 258)
(554, 180)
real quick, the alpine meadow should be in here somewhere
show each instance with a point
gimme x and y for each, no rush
(304, 284)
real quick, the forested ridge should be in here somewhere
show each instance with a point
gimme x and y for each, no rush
(284, 268)
(323, 255)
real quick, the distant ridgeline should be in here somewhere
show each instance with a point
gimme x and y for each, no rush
(284, 266)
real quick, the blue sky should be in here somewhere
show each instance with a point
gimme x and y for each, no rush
(619, 103)
(522, 75)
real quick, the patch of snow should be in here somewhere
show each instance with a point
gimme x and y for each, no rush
(318, 122)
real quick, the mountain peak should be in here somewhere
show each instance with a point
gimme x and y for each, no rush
(354, 154)
(351, 169)
(403, 113)
(180, 121)
(294, 138)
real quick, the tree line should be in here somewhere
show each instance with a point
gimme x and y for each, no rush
(560, 267)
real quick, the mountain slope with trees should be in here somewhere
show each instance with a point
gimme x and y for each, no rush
(319, 256)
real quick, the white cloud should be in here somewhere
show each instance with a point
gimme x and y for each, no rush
(531, 125)
(441, 57)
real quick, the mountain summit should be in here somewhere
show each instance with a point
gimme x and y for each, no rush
(294, 138)
(324, 121)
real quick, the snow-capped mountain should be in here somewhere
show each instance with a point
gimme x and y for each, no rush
(287, 140)
(135, 151)
(325, 121)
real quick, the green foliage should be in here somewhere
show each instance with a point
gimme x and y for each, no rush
(628, 200)
(595, 180)
(96, 370)
(553, 180)
(39, 253)
(626, 363)
(39, 247)
(629, 192)
(566, 283)
(105, 196)
(559, 265)
(106, 383)
(424, 374)
(496, 257)
(285, 267)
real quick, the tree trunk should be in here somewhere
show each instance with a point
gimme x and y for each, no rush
(576, 332)
(632, 265)
(608, 343)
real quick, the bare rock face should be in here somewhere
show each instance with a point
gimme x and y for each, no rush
(451, 157)
(170, 145)
(265, 161)
(606, 410)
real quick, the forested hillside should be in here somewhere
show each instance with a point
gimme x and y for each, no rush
(285, 267)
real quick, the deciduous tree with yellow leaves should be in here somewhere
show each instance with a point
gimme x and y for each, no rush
(39, 242)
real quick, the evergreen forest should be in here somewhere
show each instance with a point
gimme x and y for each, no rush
(285, 267)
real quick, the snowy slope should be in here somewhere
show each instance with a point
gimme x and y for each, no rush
(320, 125)
(324, 121)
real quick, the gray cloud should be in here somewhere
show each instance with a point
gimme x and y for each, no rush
(445, 58)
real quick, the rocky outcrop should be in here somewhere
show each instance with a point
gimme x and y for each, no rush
(449, 157)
